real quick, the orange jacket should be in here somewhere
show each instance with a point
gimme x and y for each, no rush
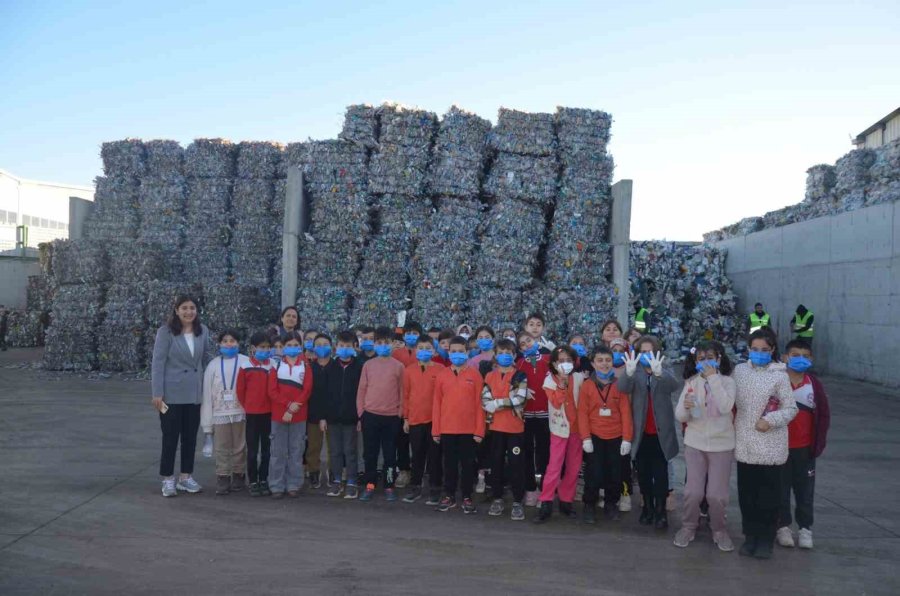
(405, 356)
(505, 419)
(457, 403)
(418, 392)
(591, 400)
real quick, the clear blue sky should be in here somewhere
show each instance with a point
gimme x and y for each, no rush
(718, 111)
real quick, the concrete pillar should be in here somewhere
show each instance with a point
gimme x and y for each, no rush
(294, 214)
(620, 238)
(79, 210)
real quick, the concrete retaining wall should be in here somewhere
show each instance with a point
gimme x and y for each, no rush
(14, 272)
(846, 269)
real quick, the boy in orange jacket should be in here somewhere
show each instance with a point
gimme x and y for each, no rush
(604, 412)
(418, 402)
(458, 424)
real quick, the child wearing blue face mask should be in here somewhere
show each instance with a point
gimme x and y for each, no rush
(318, 403)
(807, 433)
(579, 346)
(341, 377)
(309, 344)
(223, 417)
(418, 401)
(253, 393)
(619, 347)
(484, 346)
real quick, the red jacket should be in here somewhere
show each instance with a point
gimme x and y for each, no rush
(537, 407)
(290, 384)
(253, 386)
(821, 416)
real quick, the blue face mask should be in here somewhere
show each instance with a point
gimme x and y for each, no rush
(760, 358)
(442, 352)
(505, 359)
(532, 351)
(424, 355)
(618, 359)
(367, 345)
(262, 354)
(712, 363)
(458, 358)
(799, 363)
(383, 350)
(644, 359)
(292, 351)
(485, 344)
(322, 351)
(580, 350)
(228, 352)
(607, 376)
(345, 353)
(308, 345)
(411, 339)
(474, 352)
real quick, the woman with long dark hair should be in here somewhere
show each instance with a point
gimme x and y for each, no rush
(288, 322)
(180, 354)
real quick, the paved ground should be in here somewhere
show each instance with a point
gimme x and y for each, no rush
(80, 512)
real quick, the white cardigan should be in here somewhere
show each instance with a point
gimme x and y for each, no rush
(754, 388)
(559, 422)
(706, 433)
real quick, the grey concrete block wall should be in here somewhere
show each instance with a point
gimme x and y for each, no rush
(846, 269)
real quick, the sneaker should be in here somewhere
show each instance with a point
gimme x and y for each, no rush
(518, 512)
(402, 479)
(390, 495)
(446, 504)
(480, 485)
(238, 482)
(545, 512)
(335, 490)
(589, 514)
(413, 494)
(723, 541)
(188, 485)
(567, 510)
(625, 503)
(254, 489)
(264, 488)
(351, 492)
(805, 538)
(749, 547)
(368, 493)
(532, 498)
(670, 501)
(763, 549)
(684, 537)
(223, 485)
(468, 506)
(497, 507)
(315, 480)
(168, 488)
(784, 537)
(434, 499)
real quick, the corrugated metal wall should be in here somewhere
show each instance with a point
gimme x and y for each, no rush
(892, 130)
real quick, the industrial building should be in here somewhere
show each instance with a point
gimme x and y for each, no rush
(881, 133)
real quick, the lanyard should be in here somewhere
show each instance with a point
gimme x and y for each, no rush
(233, 375)
(604, 396)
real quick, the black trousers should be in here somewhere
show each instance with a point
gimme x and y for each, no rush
(652, 469)
(604, 470)
(380, 434)
(459, 454)
(426, 454)
(798, 474)
(537, 450)
(181, 421)
(627, 468)
(507, 463)
(759, 495)
(259, 432)
(403, 444)
(483, 452)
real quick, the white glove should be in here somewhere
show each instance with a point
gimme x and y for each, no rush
(631, 363)
(625, 449)
(208, 445)
(587, 445)
(490, 406)
(656, 362)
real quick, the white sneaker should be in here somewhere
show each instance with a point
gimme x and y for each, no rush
(479, 486)
(805, 538)
(784, 537)
(168, 487)
(188, 485)
(532, 498)
(625, 503)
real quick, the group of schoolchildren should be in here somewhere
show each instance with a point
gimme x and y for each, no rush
(473, 410)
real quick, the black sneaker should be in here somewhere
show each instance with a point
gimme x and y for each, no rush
(315, 480)
(763, 549)
(264, 488)
(468, 506)
(413, 494)
(255, 490)
(434, 499)
(748, 549)
(446, 504)
(589, 516)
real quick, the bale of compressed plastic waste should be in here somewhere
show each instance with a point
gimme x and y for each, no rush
(460, 152)
(82, 261)
(819, 182)
(124, 158)
(116, 212)
(259, 159)
(24, 329)
(524, 133)
(121, 338)
(210, 158)
(524, 177)
(323, 306)
(361, 125)
(400, 163)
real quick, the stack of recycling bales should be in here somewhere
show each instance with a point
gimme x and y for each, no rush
(210, 166)
(116, 213)
(256, 226)
(25, 329)
(397, 176)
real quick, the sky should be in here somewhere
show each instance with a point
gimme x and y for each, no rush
(719, 108)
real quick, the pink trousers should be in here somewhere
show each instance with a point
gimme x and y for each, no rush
(563, 451)
(708, 474)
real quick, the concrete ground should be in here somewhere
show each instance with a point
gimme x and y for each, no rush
(80, 512)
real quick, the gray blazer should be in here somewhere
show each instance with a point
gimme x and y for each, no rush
(663, 411)
(175, 374)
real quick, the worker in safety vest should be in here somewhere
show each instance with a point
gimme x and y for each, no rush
(759, 318)
(641, 319)
(803, 324)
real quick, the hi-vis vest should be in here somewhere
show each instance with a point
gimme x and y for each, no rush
(799, 323)
(758, 322)
(639, 322)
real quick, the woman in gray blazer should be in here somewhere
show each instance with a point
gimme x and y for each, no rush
(180, 354)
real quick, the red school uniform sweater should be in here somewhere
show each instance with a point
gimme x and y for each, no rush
(253, 386)
(290, 383)
(535, 369)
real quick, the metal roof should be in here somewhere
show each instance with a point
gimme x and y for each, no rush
(861, 137)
